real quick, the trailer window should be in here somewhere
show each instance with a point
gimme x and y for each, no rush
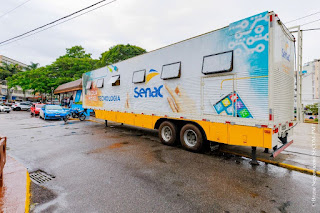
(100, 83)
(115, 80)
(221, 62)
(88, 86)
(171, 71)
(139, 76)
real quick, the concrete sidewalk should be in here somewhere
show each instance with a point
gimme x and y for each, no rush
(15, 192)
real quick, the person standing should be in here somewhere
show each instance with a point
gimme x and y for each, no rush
(71, 100)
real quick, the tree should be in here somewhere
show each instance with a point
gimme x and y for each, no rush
(32, 66)
(118, 53)
(7, 70)
(68, 67)
(76, 52)
(313, 108)
(64, 69)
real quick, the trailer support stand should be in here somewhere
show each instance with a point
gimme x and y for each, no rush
(266, 150)
(106, 123)
(254, 156)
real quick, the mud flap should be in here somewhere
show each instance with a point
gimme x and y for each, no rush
(283, 147)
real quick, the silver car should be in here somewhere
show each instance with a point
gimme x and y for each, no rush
(21, 106)
(4, 108)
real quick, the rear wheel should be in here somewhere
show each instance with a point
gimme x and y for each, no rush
(82, 117)
(191, 137)
(18, 109)
(168, 133)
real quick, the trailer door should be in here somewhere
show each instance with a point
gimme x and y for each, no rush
(218, 94)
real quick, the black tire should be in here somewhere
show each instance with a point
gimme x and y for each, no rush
(168, 133)
(82, 117)
(65, 119)
(8, 111)
(18, 109)
(191, 138)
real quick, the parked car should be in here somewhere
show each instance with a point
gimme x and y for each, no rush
(4, 108)
(52, 112)
(20, 106)
(35, 108)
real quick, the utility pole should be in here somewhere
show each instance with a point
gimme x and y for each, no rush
(300, 109)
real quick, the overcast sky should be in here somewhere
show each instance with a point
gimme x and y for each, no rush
(150, 24)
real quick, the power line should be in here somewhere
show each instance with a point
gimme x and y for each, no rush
(310, 22)
(311, 29)
(14, 8)
(57, 20)
(302, 17)
(57, 23)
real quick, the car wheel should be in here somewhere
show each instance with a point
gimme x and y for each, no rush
(168, 133)
(191, 138)
(18, 109)
(8, 111)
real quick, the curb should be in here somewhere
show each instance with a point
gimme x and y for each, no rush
(17, 182)
(28, 194)
(283, 165)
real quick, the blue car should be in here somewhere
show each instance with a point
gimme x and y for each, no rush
(52, 112)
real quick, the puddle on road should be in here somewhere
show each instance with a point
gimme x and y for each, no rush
(112, 146)
(117, 145)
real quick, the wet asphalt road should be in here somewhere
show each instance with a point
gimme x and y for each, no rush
(126, 169)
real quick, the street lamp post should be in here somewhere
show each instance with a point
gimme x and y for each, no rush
(52, 88)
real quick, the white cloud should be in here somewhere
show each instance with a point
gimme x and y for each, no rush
(149, 24)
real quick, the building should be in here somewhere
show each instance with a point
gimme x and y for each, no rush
(5, 59)
(73, 88)
(14, 93)
(310, 82)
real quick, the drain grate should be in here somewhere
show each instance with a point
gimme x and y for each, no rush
(40, 177)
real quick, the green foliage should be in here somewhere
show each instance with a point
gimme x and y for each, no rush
(313, 108)
(7, 70)
(77, 52)
(118, 53)
(66, 68)
(316, 120)
(32, 66)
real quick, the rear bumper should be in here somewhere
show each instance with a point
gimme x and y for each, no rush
(283, 147)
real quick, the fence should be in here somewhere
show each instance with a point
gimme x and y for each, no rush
(3, 141)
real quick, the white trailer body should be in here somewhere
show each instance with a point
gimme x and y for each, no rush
(236, 84)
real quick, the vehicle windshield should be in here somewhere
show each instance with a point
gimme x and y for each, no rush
(39, 105)
(53, 107)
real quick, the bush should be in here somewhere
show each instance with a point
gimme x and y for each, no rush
(316, 120)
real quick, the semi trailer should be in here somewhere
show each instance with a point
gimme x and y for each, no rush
(233, 85)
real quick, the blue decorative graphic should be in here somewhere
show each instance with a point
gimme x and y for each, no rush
(225, 105)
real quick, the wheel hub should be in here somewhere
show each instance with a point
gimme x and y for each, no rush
(190, 137)
(166, 133)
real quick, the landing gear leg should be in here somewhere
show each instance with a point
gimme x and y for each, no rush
(106, 123)
(254, 156)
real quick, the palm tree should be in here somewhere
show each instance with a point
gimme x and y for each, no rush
(32, 66)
